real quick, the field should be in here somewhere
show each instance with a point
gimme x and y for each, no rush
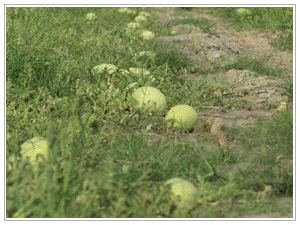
(108, 159)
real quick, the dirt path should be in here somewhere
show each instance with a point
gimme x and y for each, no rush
(260, 92)
(209, 50)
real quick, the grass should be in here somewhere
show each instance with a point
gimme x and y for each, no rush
(107, 158)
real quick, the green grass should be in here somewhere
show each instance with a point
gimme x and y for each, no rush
(203, 23)
(106, 164)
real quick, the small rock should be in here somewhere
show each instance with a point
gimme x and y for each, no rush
(213, 55)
